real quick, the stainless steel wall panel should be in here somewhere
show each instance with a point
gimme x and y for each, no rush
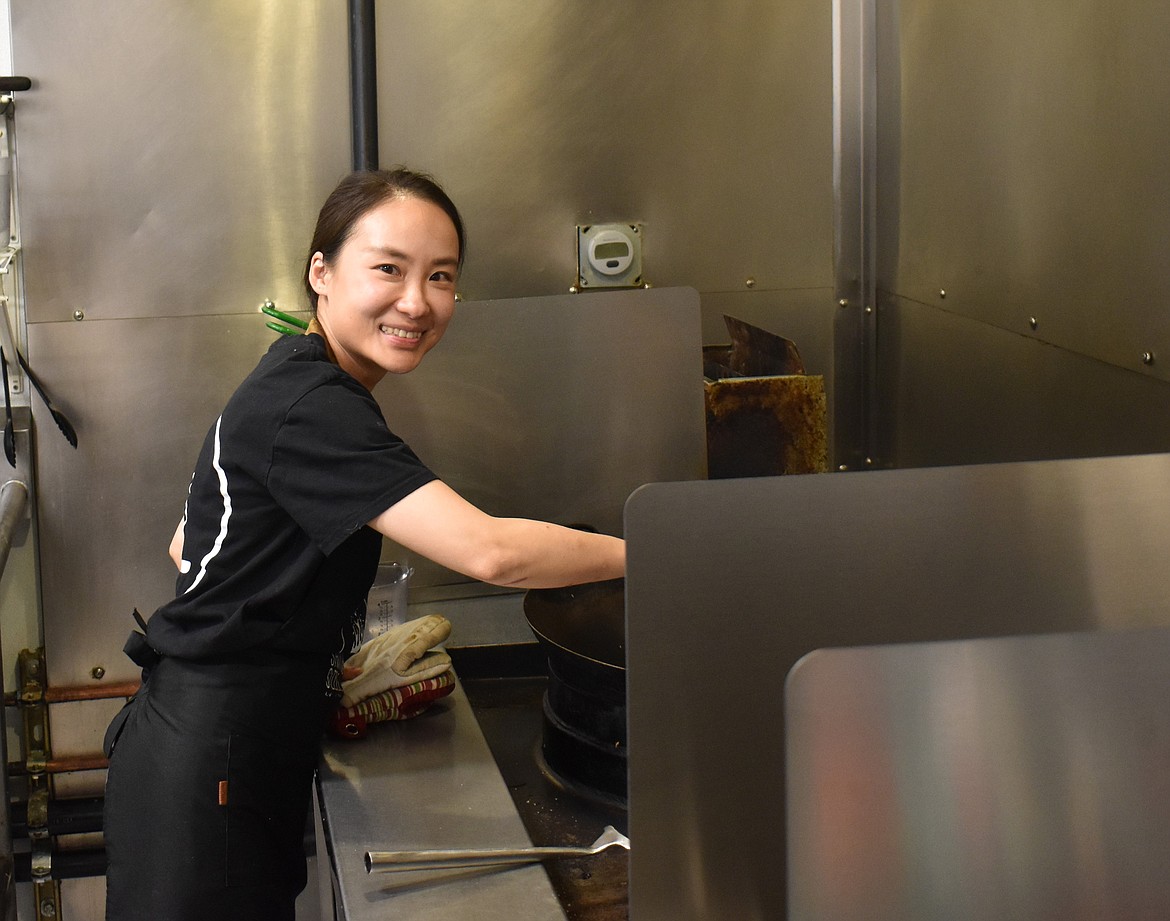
(731, 582)
(855, 117)
(557, 408)
(959, 391)
(1024, 171)
(172, 156)
(711, 124)
(142, 395)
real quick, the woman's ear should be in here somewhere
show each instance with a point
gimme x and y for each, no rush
(318, 273)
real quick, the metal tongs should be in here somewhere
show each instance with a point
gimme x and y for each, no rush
(9, 349)
(397, 861)
(9, 432)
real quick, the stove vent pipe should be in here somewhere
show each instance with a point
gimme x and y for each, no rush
(363, 84)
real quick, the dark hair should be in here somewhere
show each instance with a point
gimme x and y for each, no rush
(361, 192)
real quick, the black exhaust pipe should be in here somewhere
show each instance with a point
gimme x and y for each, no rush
(363, 84)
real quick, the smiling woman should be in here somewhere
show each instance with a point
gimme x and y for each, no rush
(385, 299)
(211, 762)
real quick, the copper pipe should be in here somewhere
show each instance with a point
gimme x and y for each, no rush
(69, 765)
(73, 763)
(91, 692)
(84, 692)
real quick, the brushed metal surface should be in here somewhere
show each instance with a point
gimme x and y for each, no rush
(1023, 170)
(1024, 778)
(960, 391)
(142, 394)
(711, 124)
(172, 156)
(555, 407)
(855, 120)
(731, 582)
(426, 783)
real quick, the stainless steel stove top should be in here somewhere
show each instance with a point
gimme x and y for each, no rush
(506, 689)
(466, 776)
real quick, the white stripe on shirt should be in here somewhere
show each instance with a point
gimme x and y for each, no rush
(227, 511)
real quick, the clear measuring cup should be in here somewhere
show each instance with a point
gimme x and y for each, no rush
(387, 600)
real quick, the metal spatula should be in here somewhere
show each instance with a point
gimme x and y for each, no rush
(397, 861)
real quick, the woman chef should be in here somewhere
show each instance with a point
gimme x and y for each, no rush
(298, 480)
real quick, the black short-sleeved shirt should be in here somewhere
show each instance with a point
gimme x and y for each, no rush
(276, 552)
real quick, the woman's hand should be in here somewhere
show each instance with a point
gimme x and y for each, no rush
(438, 523)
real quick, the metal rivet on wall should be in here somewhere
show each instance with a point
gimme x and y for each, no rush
(942, 293)
(843, 303)
(1033, 322)
(79, 314)
(750, 282)
(98, 672)
(1147, 358)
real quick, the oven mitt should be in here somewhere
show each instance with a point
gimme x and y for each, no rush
(400, 656)
(395, 704)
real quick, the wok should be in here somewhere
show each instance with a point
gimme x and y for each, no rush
(582, 626)
(582, 629)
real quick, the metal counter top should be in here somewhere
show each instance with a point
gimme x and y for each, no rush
(429, 782)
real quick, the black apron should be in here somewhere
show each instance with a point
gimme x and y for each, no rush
(210, 784)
